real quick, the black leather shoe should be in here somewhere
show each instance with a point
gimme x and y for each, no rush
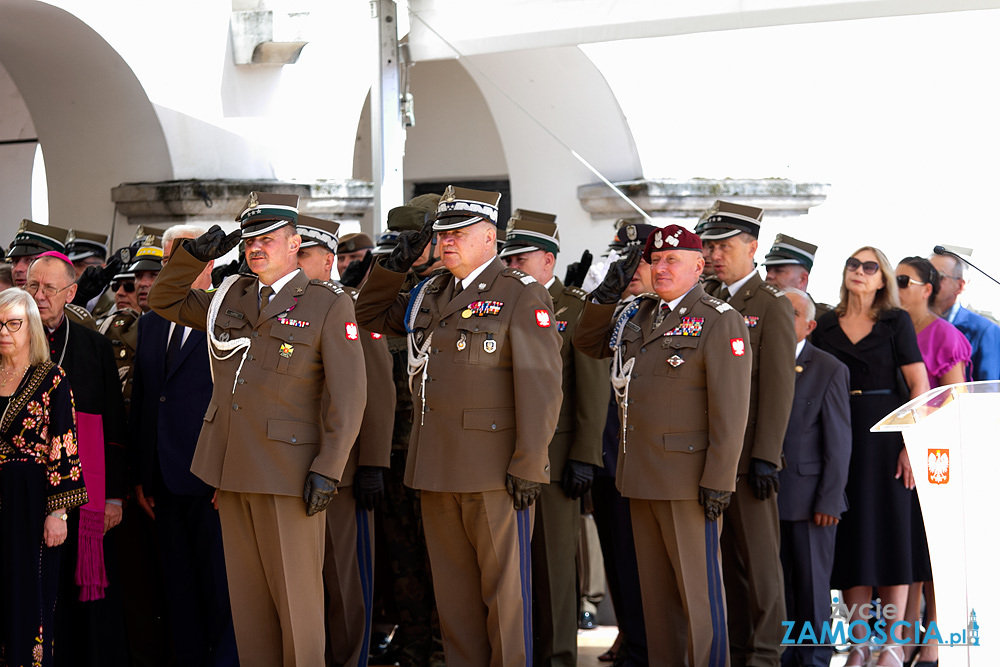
(587, 621)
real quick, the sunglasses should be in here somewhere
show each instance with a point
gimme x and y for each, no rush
(905, 281)
(129, 286)
(852, 264)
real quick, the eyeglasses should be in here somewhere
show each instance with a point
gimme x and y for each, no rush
(129, 286)
(12, 325)
(852, 264)
(905, 281)
(49, 292)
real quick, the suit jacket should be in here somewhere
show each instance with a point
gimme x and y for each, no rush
(771, 321)
(688, 396)
(280, 411)
(586, 391)
(493, 387)
(818, 439)
(374, 444)
(984, 336)
(168, 406)
(90, 367)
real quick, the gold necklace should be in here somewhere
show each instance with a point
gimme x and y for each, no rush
(6, 375)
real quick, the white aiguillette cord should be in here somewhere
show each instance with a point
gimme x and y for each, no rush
(231, 347)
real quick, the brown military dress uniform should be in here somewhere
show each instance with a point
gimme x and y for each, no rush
(487, 406)
(277, 412)
(683, 413)
(123, 331)
(348, 568)
(586, 393)
(751, 541)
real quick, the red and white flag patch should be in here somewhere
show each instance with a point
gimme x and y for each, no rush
(543, 319)
(738, 346)
(376, 336)
(351, 330)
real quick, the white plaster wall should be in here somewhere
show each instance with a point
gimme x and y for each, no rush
(16, 160)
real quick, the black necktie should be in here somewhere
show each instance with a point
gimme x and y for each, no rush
(174, 346)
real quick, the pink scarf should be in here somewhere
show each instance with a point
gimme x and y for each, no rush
(90, 574)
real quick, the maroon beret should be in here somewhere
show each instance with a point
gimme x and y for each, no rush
(671, 237)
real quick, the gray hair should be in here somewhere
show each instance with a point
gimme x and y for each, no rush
(182, 231)
(38, 345)
(810, 306)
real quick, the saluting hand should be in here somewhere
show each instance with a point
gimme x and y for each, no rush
(95, 279)
(618, 277)
(763, 478)
(213, 244)
(714, 502)
(357, 270)
(524, 491)
(409, 246)
(577, 271)
(318, 492)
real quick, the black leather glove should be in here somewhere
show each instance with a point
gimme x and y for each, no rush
(220, 273)
(524, 491)
(577, 478)
(213, 244)
(713, 501)
(763, 478)
(357, 270)
(318, 492)
(409, 246)
(577, 271)
(368, 487)
(95, 279)
(618, 277)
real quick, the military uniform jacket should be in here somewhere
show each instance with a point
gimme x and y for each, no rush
(492, 392)
(771, 321)
(688, 395)
(271, 419)
(374, 443)
(122, 329)
(586, 391)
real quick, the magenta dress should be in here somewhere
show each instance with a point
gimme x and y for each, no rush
(942, 346)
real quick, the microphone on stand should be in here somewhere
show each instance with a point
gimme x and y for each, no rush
(941, 250)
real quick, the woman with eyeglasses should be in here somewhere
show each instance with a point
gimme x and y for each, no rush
(40, 480)
(877, 546)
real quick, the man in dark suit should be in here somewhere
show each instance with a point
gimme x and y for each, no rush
(817, 451)
(171, 389)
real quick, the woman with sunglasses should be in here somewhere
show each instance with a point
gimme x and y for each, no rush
(876, 544)
(40, 480)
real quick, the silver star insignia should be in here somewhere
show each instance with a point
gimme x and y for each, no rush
(482, 285)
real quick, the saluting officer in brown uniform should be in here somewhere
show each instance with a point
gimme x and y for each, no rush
(532, 245)
(751, 540)
(486, 378)
(279, 428)
(681, 371)
(348, 569)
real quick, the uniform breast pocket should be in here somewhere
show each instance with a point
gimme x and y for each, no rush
(480, 341)
(288, 349)
(677, 356)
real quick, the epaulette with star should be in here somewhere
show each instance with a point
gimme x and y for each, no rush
(520, 275)
(329, 284)
(718, 304)
(772, 290)
(576, 292)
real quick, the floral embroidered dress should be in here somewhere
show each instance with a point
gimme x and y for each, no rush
(39, 472)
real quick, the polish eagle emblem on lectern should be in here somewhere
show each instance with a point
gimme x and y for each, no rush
(938, 465)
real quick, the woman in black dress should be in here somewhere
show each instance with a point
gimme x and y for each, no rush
(877, 545)
(40, 480)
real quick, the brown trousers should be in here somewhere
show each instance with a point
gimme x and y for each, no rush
(274, 562)
(348, 571)
(480, 551)
(683, 599)
(553, 562)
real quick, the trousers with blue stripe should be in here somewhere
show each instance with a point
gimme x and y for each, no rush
(480, 552)
(683, 598)
(347, 573)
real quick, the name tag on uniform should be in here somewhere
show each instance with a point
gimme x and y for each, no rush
(233, 313)
(689, 326)
(751, 321)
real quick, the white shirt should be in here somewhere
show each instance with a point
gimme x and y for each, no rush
(184, 334)
(735, 287)
(276, 285)
(798, 347)
(475, 274)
